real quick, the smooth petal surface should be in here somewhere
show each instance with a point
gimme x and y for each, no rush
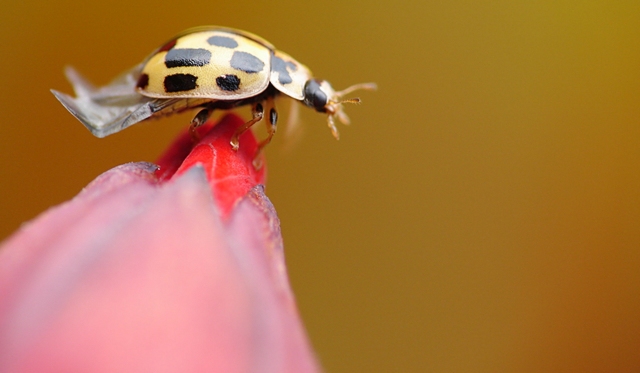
(140, 275)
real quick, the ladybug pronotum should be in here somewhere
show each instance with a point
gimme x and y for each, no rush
(208, 68)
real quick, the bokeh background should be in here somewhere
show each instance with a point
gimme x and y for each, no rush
(481, 214)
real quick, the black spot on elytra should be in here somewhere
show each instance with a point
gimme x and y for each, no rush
(143, 81)
(228, 82)
(168, 46)
(222, 41)
(187, 57)
(282, 67)
(180, 82)
(246, 62)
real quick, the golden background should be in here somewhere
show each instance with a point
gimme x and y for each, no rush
(482, 213)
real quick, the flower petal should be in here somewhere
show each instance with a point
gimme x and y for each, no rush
(135, 274)
(230, 173)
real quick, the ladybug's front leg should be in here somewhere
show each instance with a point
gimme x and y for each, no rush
(271, 130)
(271, 124)
(258, 113)
(332, 126)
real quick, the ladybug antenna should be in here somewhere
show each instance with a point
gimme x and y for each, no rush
(355, 100)
(335, 107)
(355, 87)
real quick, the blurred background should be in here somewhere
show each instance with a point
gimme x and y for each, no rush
(482, 212)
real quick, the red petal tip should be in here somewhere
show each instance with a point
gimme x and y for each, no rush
(231, 174)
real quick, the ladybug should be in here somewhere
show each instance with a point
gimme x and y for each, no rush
(210, 68)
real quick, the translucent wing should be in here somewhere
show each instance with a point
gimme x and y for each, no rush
(111, 108)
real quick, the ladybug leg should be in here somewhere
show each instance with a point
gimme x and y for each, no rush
(200, 119)
(258, 113)
(271, 130)
(332, 125)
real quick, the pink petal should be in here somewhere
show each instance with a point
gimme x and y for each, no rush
(137, 275)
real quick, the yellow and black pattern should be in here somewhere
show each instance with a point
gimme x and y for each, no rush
(214, 64)
(288, 75)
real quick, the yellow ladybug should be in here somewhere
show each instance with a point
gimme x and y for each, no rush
(209, 68)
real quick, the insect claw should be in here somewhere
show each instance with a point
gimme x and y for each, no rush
(235, 144)
(258, 162)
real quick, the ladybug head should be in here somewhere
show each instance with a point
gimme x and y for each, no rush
(319, 94)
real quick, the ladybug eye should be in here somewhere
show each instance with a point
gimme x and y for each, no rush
(314, 96)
